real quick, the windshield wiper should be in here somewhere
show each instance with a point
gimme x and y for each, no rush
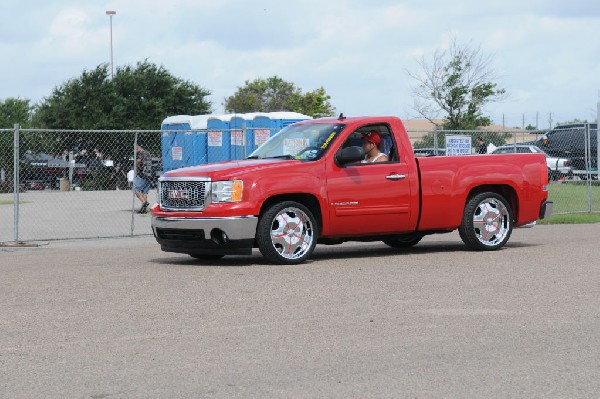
(286, 156)
(253, 157)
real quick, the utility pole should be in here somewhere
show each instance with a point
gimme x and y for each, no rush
(110, 15)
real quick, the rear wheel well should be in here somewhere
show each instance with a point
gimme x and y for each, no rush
(308, 200)
(504, 190)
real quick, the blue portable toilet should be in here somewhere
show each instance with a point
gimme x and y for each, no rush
(263, 128)
(284, 118)
(218, 138)
(238, 141)
(183, 141)
(252, 141)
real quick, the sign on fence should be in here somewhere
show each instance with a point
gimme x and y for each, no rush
(458, 145)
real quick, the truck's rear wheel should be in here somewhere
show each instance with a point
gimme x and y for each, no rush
(487, 222)
(287, 233)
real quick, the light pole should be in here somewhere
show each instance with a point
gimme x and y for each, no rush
(110, 15)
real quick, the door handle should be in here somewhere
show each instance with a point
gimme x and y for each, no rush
(395, 176)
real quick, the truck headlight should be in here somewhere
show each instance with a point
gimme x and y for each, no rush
(227, 191)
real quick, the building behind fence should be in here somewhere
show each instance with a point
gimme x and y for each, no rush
(65, 184)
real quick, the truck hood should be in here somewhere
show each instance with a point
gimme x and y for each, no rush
(234, 169)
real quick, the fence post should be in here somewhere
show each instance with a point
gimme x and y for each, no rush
(598, 141)
(244, 140)
(16, 169)
(588, 164)
(135, 144)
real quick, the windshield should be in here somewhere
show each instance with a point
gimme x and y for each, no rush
(305, 142)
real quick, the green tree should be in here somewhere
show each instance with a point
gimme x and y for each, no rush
(275, 94)
(456, 84)
(12, 111)
(15, 110)
(138, 97)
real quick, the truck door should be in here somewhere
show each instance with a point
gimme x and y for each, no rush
(370, 198)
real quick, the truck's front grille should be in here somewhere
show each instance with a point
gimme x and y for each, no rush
(183, 195)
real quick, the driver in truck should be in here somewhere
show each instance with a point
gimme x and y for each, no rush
(371, 142)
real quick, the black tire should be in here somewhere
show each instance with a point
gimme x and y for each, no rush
(403, 242)
(291, 243)
(487, 222)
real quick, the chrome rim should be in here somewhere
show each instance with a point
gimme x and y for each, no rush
(491, 222)
(291, 233)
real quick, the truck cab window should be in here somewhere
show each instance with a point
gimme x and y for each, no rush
(376, 141)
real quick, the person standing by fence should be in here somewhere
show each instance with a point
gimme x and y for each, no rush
(481, 146)
(143, 177)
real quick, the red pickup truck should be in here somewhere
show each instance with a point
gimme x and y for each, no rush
(307, 185)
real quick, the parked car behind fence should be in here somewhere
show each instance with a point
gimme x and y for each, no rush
(576, 142)
(557, 167)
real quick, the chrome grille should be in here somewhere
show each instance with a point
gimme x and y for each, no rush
(177, 194)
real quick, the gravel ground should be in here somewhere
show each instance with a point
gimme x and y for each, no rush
(118, 318)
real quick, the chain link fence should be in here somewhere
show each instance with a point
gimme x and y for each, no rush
(62, 184)
(70, 184)
(572, 157)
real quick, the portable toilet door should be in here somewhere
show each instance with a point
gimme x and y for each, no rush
(199, 138)
(176, 142)
(264, 128)
(251, 141)
(238, 140)
(218, 138)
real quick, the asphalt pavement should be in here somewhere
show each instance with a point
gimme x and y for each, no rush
(118, 318)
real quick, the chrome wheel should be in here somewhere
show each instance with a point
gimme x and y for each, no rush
(487, 222)
(287, 233)
(291, 233)
(491, 222)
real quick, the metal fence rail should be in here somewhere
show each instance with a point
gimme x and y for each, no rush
(65, 184)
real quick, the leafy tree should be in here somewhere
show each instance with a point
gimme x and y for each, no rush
(138, 97)
(275, 94)
(12, 111)
(15, 110)
(456, 84)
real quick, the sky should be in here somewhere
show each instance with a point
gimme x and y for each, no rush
(545, 53)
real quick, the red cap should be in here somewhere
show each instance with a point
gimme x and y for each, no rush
(372, 137)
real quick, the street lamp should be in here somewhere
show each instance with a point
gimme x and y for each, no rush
(110, 14)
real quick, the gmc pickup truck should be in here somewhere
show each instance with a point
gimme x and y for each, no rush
(307, 185)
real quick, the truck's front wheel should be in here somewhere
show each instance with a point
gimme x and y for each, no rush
(287, 233)
(487, 222)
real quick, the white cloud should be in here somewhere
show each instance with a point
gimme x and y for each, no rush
(546, 52)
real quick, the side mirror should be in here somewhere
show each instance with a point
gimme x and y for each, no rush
(349, 155)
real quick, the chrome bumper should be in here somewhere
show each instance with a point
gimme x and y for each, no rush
(236, 228)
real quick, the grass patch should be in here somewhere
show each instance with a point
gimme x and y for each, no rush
(573, 197)
(10, 202)
(572, 218)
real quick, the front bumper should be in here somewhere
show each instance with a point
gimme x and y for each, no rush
(206, 236)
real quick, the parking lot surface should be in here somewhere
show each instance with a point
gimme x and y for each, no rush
(118, 318)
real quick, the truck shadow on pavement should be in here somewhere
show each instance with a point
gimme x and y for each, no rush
(328, 253)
